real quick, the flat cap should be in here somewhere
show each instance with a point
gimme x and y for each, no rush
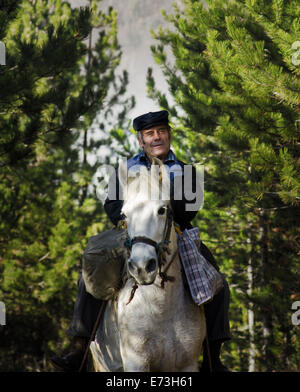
(149, 120)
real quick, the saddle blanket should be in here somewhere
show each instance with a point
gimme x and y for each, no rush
(203, 279)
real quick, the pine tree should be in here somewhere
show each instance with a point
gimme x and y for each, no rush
(57, 91)
(234, 76)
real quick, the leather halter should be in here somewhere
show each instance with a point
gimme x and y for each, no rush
(160, 247)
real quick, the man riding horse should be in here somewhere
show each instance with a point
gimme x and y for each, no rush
(154, 137)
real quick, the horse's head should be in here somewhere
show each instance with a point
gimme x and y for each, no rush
(146, 210)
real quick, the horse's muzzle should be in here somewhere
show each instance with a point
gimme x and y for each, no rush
(144, 272)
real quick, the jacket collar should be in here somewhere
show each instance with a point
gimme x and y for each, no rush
(142, 157)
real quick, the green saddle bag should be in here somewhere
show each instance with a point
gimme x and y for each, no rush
(103, 263)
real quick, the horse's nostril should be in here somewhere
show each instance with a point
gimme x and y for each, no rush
(131, 266)
(151, 265)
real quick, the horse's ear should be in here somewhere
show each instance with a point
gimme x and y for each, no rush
(122, 173)
(156, 161)
(164, 179)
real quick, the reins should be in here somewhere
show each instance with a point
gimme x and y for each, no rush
(93, 335)
(163, 274)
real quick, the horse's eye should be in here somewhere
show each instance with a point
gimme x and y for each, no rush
(161, 211)
(123, 216)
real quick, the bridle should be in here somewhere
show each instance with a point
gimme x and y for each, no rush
(160, 248)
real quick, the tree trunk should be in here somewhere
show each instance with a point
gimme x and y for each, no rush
(252, 352)
(85, 136)
(266, 311)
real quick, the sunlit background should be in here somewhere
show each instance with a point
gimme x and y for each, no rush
(135, 20)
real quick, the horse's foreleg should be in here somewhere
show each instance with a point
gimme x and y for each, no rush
(191, 368)
(135, 367)
(133, 361)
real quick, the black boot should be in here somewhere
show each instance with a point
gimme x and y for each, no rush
(214, 356)
(71, 362)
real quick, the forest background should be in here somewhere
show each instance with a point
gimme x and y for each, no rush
(228, 72)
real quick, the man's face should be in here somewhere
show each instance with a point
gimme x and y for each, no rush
(156, 141)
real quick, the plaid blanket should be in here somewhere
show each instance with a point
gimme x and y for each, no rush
(203, 279)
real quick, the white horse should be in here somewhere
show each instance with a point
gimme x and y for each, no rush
(159, 328)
